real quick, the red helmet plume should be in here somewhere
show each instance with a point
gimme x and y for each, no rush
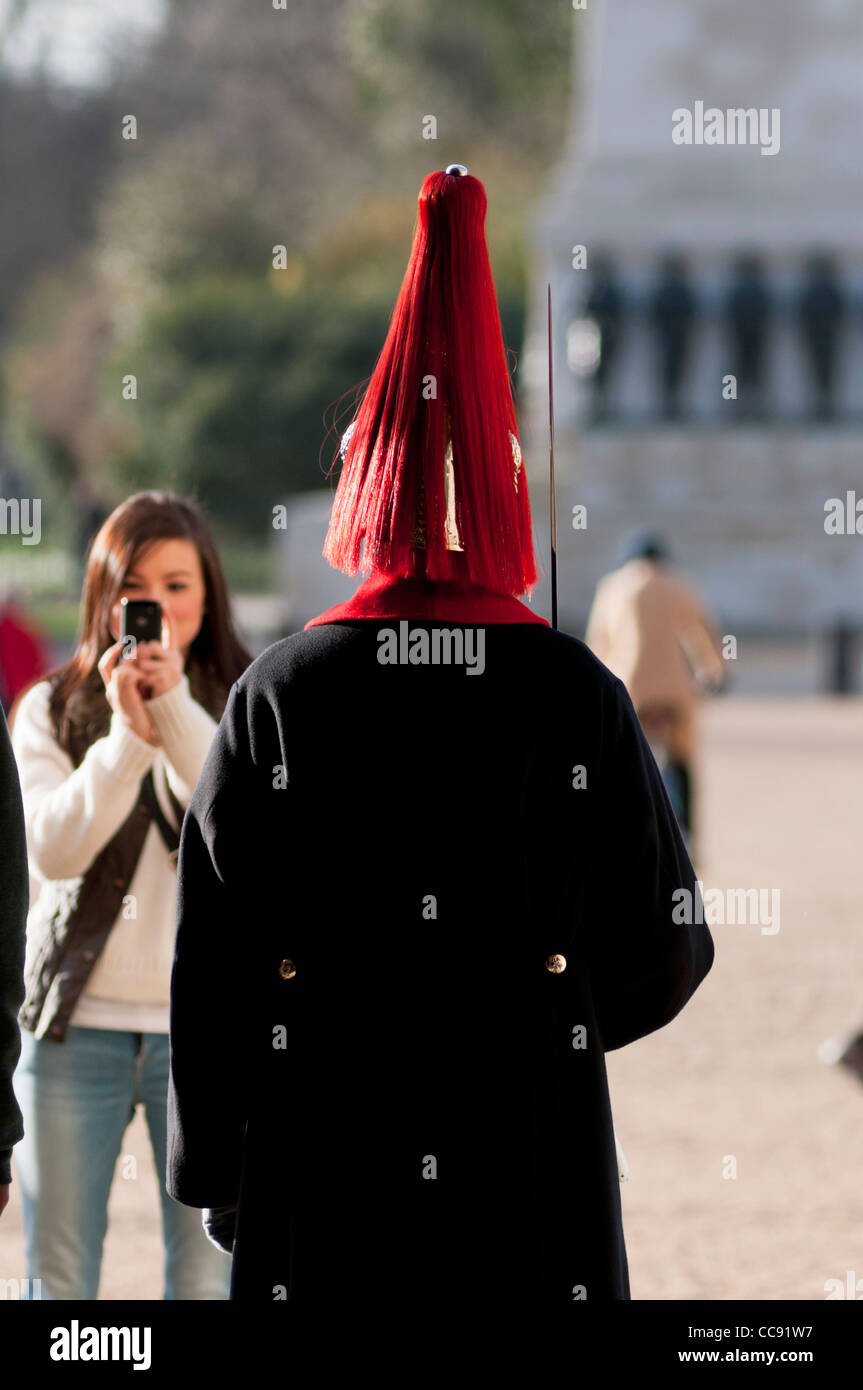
(441, 379)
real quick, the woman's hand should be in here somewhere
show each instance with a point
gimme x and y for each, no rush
(160, 663)
(710, 681)
(122, 688)
(220, 1227)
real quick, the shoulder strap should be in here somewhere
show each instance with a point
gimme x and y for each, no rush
(166, 830)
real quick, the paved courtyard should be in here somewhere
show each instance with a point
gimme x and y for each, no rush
(735, 1081)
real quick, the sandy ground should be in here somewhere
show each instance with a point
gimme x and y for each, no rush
(736, 1076)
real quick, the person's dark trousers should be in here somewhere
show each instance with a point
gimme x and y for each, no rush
(683, 802)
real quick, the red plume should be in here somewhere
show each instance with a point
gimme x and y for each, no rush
(443, 363)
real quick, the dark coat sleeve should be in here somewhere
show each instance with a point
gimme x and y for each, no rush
(14, 901)
(644, 965)
(209, 991)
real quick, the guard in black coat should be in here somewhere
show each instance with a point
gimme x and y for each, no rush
(429, 876)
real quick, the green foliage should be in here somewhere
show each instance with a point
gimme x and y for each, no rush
(259, 129)
(238, 386)
(496, 69)
(233, 383)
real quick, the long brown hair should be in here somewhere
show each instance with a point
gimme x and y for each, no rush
(79, 704)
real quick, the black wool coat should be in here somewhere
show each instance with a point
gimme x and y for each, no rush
(373, 1047)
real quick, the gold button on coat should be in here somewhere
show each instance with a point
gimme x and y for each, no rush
(287, 969)
(556, 964)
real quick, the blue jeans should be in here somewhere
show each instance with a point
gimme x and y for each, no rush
(77, 1098)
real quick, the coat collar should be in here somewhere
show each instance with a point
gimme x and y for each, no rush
(384, 596)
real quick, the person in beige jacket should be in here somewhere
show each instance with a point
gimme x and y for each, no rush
(651, 628)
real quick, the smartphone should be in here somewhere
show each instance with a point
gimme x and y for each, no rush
(141, 618)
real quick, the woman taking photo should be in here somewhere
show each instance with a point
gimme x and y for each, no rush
(109, 748)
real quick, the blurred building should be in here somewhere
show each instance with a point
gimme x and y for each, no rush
(306, 583)
(737, 254)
